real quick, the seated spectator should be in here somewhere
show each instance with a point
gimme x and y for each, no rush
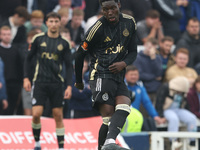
(151, 27)
(64, 4)
(80, 104)
(64, 14)
(139, 93)
(149, 65)
(3, 94)
(13, 62)
(170, 14)
(170, 103)
(191, 41)
(164, 51)
(180, 67)
(75, 27)
(16, 23)
(193, 98)
(36, 21)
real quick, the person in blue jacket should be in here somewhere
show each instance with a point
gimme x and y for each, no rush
(139, 93)
(3, 95)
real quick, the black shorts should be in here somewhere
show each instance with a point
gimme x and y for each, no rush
(104, 91)
(41, 92)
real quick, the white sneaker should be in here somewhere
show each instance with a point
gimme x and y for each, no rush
(176, 145)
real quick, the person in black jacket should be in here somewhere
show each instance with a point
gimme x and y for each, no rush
(111, 43)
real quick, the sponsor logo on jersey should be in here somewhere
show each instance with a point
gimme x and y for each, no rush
(107, 39)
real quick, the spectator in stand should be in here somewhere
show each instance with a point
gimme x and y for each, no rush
(195, 4)
(64, 4)
(26, 96)
(164, 51)
(3, 94)
(13, 68)
(150, 27)
(80, 103)
(75, 27)
(91, 8)
(64, 14)
(185, 8)
(170, 103)
(138, 7)
(149, 65)
(180, 67)
(191, 41)
(170, 14)
(140, 94)
(36, 21)
(16, 23)
(193, 98)
(92, 20)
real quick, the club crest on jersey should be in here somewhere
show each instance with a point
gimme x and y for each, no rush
(105, 96)
(125, 32)
(43, 44)
(60, 47)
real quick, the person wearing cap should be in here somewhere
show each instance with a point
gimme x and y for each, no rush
(171, 102)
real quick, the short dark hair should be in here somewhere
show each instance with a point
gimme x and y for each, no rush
(152, 14)
(194, 19)
(22, 12)
(167, 38)
(53, 15)
(101, 1)
(152, 41)
(131, 68)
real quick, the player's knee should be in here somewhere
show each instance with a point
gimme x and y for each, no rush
(58, 117)
(124, 107)
(36, 117)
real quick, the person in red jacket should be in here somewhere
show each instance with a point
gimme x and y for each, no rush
(193, 98)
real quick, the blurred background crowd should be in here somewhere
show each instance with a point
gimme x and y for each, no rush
(164, 80)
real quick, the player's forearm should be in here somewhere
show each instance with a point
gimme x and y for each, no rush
(80, 55)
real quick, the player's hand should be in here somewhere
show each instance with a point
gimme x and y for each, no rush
(117, 67)
(5, 104)
(79, 86)
(27, 84)
(68, 92)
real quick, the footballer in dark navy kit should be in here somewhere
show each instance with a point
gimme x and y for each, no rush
(51, 50)
(112, 45)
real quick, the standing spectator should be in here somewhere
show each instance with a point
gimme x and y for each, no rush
(151, 27)
(80, 103)
(75, 27)
(92, 20)
(13, 68)
(149, 65)
(138, 7)
(170, 14)
(195, 4)
(180, 67)
(91, 8)
(64, 14)
(193, 98)
(26, 95)
(16, 22)
(3, 94)
(140, 94)
(185, 8)
(51, 51)
(171, 102)
(191, 41)
(164, 51)
(36, 21)
(64, 4)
